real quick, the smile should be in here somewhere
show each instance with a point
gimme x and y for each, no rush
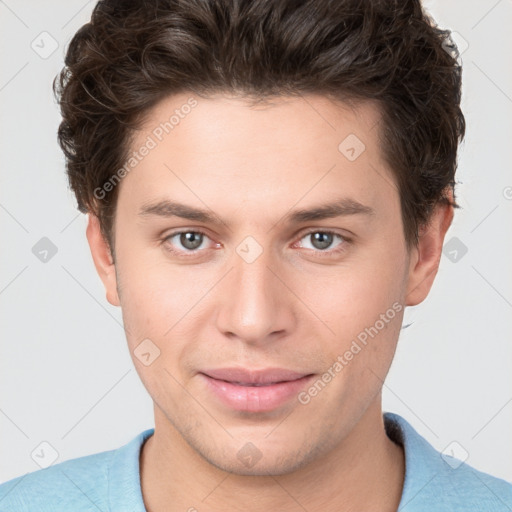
(254, 390)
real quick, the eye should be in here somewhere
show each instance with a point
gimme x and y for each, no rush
(322, 240)
(188, 241)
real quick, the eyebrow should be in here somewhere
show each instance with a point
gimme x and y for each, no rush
(338, 208)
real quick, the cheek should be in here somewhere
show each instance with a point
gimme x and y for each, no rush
(353, 297)
(362, 304)
(162, 302)
(157, 308)
(150, 290)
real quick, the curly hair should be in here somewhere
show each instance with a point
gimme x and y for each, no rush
(134, 53)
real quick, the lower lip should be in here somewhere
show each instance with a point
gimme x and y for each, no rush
(256, 398)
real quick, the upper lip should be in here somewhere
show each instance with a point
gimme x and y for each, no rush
(254, 376)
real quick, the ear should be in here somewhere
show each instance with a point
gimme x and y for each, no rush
(102, 258)
(425, 257)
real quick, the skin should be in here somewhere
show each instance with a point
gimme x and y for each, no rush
(293, 307)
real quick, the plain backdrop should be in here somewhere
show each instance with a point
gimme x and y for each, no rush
(66, 377)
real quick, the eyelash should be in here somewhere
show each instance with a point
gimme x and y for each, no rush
(323, 254)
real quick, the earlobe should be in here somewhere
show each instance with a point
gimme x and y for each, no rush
(102, 258)
(426, 256)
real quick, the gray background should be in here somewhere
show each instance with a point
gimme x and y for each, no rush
(66, 375)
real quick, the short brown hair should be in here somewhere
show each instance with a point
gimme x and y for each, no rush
(132, 54)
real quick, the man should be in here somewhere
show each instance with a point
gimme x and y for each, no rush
(268, 186)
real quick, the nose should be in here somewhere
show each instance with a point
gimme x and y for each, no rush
(257, 305)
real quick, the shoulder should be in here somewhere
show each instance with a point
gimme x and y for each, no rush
(86, 483)
(77, 484)
(436, 481)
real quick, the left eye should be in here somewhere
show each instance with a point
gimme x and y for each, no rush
(321, 240)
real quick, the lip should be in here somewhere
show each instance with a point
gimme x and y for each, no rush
(252, 390)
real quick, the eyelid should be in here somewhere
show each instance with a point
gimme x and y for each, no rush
(180, 231)
(327, 252)
(330, 231)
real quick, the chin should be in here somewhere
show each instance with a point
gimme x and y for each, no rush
(249, 460)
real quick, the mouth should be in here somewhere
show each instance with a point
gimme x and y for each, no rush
(247, 390)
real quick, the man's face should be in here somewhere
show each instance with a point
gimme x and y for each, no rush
(256, 295)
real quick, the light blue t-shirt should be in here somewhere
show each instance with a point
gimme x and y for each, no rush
(110, 481)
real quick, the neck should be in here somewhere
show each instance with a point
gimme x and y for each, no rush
(364, 472)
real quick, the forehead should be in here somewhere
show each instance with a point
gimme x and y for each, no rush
(269, 121)
(283, 151)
